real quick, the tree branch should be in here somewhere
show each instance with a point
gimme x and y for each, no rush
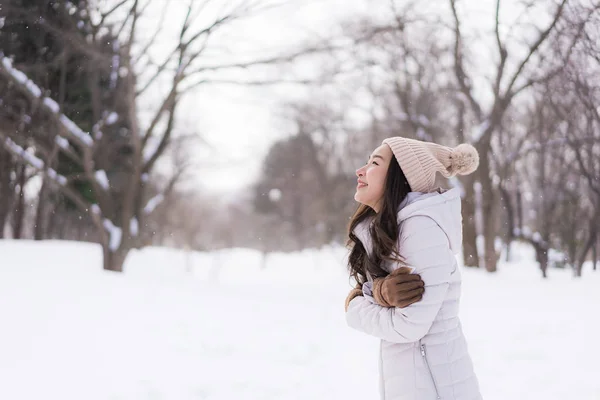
(536, 46)
(164, 140)
(501, 50)
(152, 40)
(60, 181)
(33, 93)
(459, 70)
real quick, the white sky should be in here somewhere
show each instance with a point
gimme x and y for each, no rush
(241, 122)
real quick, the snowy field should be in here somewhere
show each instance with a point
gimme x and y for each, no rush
(217, 326)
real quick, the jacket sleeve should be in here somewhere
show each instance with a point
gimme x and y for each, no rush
(424, 246)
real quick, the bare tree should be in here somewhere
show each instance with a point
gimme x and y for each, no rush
(514, 74)
(121, 202)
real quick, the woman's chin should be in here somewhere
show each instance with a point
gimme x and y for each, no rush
(358, 197)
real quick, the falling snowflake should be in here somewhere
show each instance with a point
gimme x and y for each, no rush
(275, 195)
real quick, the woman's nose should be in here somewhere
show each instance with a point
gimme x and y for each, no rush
(360, 172)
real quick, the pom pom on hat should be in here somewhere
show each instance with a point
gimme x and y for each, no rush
(464, 159)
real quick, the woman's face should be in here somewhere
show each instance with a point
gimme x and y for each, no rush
(371, 178)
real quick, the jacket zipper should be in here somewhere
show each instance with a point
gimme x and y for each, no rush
(424, 355)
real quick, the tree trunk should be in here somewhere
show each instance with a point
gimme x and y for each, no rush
(6, 190)
(510, 220)
(50, 232)
(519, 210)
(487, 196)
(38, 232)
(595, 255)
(578, 269)
(4, 211)
(19, 214)
(542, 257)
(588, 246)
(114, 261)
(470, 253)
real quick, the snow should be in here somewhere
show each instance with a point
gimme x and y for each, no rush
(62, 142)
(102, 179)
(134, 227)
(480, 130)
(145, 177)
(51, 104)
(2, 19)
(275, 195)
(227, 329)
(112, 118)
(27, 156)
(96, 130)
(153, 203)
(75, 130)
(115, 235)
(32, 160)
(21, 77)
(18, 75)
(56, 177)
(114, 73)
(33, 88)
(95, 209)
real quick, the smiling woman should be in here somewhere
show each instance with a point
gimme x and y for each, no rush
(405, 221)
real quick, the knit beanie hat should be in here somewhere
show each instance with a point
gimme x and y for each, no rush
(421, 160)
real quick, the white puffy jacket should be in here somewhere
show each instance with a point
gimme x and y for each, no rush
(423, 353)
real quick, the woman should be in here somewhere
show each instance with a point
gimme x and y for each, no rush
(403, 220)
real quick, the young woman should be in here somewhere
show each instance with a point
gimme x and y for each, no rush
(403, 220)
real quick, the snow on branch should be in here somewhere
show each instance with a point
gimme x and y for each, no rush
(95, 209)
(114, 73)
(115, 234)
(32, 160)
(49, 105)
(153, 203)
(62, 142)
(24, 154)
(480, 130)
(134, 226)
(112, 118)
(75, 130)
(102, 179)
(52, 174)
(107, 119)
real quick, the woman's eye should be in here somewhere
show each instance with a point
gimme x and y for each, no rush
(375, 162)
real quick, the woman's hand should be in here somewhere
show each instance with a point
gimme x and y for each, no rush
(398, 289)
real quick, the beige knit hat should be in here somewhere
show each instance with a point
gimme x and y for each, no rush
(421, 160)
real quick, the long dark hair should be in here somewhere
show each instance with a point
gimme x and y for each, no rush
(383, 230)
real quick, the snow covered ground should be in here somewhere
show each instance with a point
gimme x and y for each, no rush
(217, 326)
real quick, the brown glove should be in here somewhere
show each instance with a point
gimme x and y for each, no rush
(398, 289)
(353, 293)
